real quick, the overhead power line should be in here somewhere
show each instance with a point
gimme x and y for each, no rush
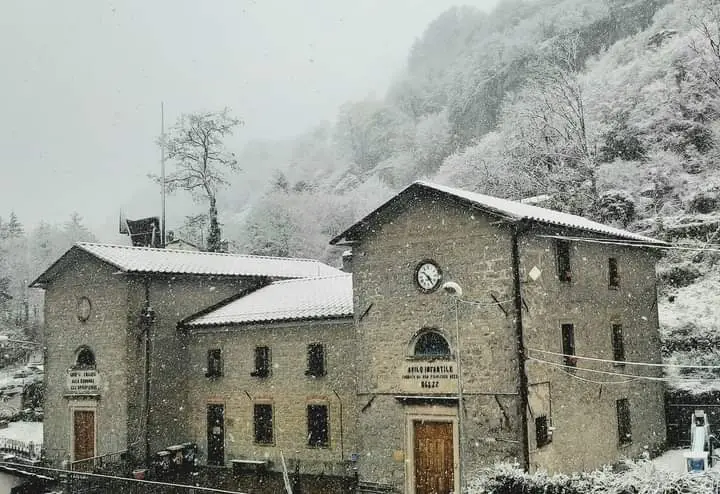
(113, 477)
(631, 243)
(625, 362)
(633, 376)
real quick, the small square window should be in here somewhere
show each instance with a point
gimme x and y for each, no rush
(214, 363)
(542, 433)
(618, 344)
(568, 345)
(262, 362)
(562, 251)
(316, 360)
(318, 435)
(263, 420)
(623, 419)
(613, 274)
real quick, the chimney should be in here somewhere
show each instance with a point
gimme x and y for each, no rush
(347, 261)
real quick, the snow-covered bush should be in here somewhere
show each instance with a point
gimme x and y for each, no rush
(704, 201)
(616, 207)
(641, 477)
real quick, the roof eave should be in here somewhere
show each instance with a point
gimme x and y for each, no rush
(339, 317)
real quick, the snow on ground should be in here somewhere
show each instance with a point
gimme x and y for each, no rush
(674, 461)
(24, 431)
(671, 461)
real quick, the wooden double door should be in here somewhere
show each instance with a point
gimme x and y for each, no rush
(434, 457)
(83, 436)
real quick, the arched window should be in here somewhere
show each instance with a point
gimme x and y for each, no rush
(431, 344)
(85, 358)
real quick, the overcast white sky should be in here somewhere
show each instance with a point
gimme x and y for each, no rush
(82, 81)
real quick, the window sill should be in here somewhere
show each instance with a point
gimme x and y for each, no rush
(213, 376)
(260, 375)
(314, 375)
(430, 358)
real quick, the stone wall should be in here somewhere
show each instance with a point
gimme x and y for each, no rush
(582, 404)
(104, 333)
(287, 388)
(390, 310)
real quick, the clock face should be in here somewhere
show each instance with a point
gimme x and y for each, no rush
(428, 276)
(83, 309)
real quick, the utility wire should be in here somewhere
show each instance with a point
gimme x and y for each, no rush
(30, 468)
(631, 243)
(625, 362)
(649, 378)
(597, 382)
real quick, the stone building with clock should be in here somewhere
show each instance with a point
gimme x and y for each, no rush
(473, 330)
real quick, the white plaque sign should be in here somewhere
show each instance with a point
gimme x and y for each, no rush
(429, 377)
(83, 382)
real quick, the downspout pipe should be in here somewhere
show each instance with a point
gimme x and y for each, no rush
(342, 446)
(517, 229)
(147, 317)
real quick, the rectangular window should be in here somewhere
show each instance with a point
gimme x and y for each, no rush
(623, 419)
(214, 363)
(316, 360)
(618, 344)
(613, 275)
(568, 345)
(542, 435)
(262, 362)
(562, 250)
(263, 419)
(317, 417)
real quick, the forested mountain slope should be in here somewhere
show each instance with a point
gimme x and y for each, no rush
(609, 107)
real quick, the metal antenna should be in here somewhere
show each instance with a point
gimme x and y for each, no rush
(162, 172)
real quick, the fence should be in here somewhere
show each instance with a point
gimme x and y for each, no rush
(679, 408)
(107, 462)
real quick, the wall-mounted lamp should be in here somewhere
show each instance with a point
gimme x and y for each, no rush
(453, 289)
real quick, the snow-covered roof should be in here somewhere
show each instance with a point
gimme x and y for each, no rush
(503, 207)
(301, 299)
(169, 261)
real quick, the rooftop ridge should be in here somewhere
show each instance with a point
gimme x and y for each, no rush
(309, 278)
(196, 252)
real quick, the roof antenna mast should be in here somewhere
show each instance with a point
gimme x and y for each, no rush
(162, 172)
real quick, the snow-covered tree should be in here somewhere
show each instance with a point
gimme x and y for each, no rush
(196, 146)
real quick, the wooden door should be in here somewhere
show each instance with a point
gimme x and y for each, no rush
(83, 434)
(216, 434)
(434, 458)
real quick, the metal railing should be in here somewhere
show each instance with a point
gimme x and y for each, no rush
(108, 461)
(26, 450)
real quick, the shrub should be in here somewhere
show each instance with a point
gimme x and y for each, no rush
(616, 206)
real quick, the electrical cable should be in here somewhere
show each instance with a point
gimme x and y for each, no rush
(650, 378)
(597, 382)
(114, 477)
(625, 362)
(631, 243)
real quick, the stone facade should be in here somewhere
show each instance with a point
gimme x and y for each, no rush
(287, 389)
(112, 333)
(474, 249)
(417, 380)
